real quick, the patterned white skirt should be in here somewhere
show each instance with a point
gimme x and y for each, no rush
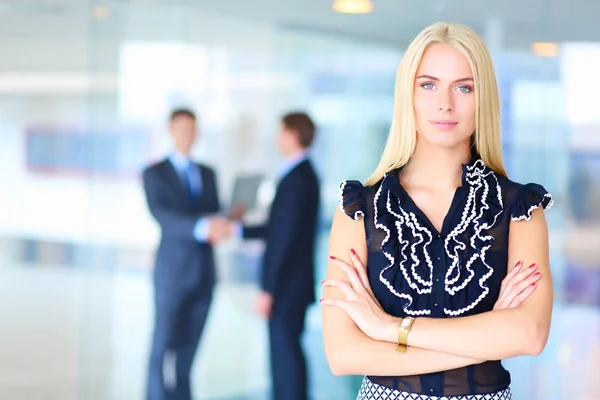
(372, 391)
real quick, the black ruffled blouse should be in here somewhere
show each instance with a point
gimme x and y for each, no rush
(415, 270)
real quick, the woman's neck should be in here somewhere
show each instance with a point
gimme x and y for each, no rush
(435, 167)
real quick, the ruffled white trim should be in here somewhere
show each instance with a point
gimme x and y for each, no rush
(527, 215)
(411, 221)
(472, 215)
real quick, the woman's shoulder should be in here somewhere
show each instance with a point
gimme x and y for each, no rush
(352, 201)
(522, 198)
(354, 197)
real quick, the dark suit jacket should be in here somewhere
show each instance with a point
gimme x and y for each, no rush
(182, 263)
(288, 266)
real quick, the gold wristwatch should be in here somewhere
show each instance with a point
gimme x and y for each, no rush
(403, 329)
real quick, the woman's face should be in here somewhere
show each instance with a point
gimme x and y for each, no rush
(444, 97)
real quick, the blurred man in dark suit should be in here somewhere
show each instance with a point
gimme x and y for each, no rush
(288, 268)
(182, 197)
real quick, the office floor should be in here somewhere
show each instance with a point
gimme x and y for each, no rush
(68, 334)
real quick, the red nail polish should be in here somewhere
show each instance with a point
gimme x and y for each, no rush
(320, 301)
(518, 265)
(537, 274)
(322, 282)
(352, 251)
(532, 265)
(332, 257)
(532, 285)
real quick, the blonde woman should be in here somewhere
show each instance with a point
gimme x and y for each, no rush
(439, 263)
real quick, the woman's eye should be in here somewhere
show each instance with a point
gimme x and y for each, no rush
(428, 86)
(465, 89)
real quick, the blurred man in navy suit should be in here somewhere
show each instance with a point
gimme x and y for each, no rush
(182, 197)
(288, 268)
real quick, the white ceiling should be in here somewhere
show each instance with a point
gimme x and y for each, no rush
(393, 22)
(397, 21)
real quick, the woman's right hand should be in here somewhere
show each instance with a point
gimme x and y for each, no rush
(517, 286)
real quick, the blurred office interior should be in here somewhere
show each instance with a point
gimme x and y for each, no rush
(86, 87)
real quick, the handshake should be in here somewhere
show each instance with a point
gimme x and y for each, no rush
(222, 228)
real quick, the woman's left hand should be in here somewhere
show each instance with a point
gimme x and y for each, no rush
(359, 302)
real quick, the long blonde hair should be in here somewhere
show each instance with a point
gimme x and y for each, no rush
(402, 138)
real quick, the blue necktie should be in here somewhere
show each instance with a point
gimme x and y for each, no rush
(189, 186)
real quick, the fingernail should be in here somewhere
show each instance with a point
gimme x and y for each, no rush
(353, 252)
(532, 265)
(332, 257)
(320, 301)
(532, 285)
(322, 282)
(518, 265)
(537, 274)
